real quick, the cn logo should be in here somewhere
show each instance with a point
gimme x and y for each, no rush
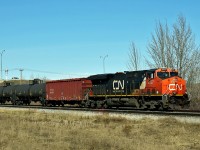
(117, 84)
(173, 87)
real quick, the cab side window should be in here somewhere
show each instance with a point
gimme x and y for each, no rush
(150, 75)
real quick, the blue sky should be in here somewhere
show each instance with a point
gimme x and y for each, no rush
(69, 36)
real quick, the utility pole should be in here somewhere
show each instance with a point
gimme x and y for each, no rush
(6, 72)
(21, 75)
(104, 57)
(1, 63)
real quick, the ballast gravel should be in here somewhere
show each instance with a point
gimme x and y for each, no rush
(183, 119)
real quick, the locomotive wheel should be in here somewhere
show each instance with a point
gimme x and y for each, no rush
(105, 106)
(87, 104)
(175, 106)
(186, 106)
(99, 104)
(92, 105)
(18, 102)
(13, 102)
(162, 107)
(82, 104)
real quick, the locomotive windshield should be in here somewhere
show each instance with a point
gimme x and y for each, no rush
(164, 75)
(172, 74)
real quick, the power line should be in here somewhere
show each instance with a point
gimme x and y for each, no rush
(42, 71)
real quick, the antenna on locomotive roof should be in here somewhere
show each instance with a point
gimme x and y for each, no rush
(104, 57)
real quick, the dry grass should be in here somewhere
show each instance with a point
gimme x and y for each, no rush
(33, 130)
(195, 105)
(194, 95)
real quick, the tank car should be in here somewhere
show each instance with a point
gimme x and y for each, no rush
(38, 92)
(9, 93)
(159, 88)
(23, 93)
(2, 101)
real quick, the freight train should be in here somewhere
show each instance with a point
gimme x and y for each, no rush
(159, 89)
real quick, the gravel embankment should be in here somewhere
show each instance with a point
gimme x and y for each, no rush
(184, 119)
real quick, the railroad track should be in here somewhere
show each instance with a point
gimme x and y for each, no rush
(187, 113)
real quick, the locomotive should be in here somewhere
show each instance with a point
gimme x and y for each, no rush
(159, 89)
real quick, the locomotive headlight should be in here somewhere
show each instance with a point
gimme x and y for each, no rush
(157, 92)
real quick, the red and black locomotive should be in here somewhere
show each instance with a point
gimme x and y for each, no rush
(147, 89)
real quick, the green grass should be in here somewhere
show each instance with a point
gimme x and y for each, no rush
(36, 130)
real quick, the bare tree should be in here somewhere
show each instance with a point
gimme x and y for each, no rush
(160, 48)
(134, 58)
(185, 49)
(175, 50)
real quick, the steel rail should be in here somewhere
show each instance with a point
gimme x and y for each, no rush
(187, 113)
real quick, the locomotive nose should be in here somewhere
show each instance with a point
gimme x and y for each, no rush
(174, 86)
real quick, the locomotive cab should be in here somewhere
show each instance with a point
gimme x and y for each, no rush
(173, 87)
(171, 83)
(164, 81)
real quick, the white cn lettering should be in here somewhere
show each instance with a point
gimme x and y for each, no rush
(173, 87)
(117, 84)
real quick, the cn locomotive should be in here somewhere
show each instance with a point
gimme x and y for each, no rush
(159, 89)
